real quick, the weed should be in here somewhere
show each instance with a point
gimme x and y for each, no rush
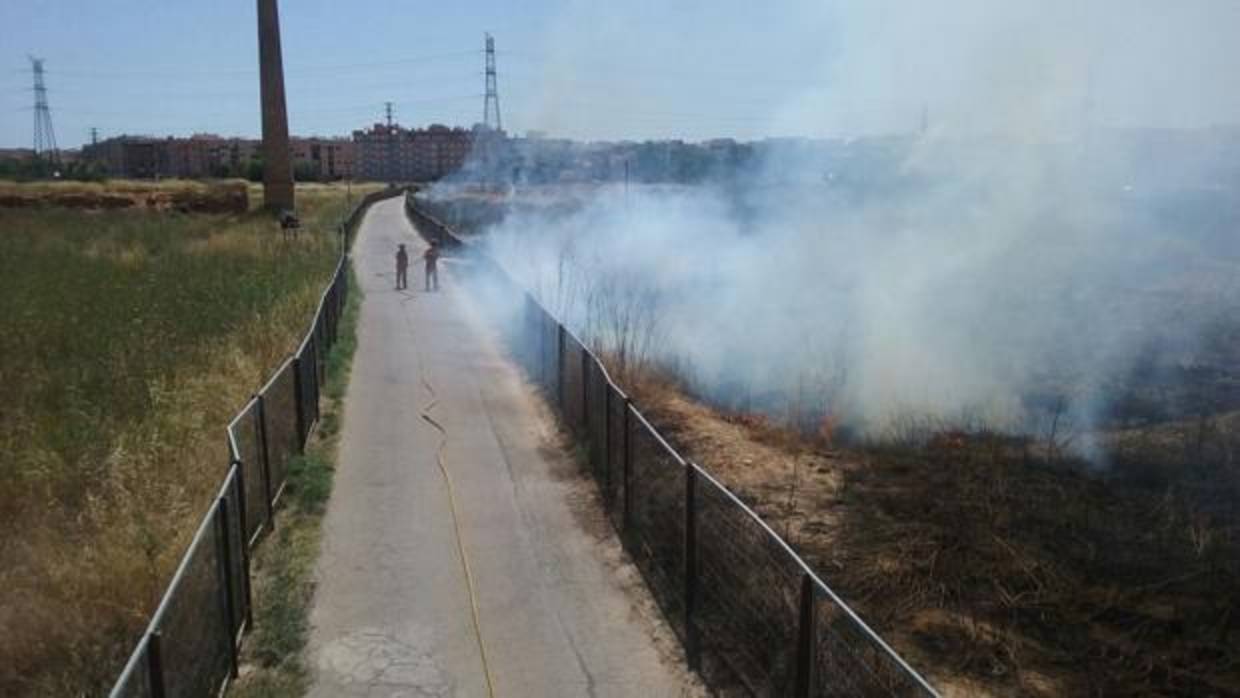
(129, 340)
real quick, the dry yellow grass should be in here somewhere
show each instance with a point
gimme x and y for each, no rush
(111, 185)
(101, 489)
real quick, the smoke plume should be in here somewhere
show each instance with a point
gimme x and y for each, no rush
(1023, 253)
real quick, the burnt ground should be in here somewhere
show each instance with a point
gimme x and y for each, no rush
(998, 569)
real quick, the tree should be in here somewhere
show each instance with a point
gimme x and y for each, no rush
(254, 170)
(305, 172)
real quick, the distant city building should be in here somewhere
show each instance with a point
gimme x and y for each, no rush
(209, 155)
(381, 153)
(395, 153)
(125, 156)
(376, 153)
(200, 155)
(322, 159)
(438, 151)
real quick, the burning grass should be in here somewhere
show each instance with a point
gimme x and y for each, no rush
(129, 340)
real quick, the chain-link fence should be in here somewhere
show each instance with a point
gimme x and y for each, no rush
(191, 645)
(752, 616)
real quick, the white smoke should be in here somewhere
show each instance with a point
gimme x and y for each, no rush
(1015, 254)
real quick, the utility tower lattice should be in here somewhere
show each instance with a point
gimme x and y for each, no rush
(492, 97)
(390, 168)
(44, 134)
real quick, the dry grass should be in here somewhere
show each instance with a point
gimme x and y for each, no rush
(111, 185)
(231, 196)
(996, 572)
(130, 339)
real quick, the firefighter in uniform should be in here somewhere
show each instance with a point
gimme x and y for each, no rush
(402, 268)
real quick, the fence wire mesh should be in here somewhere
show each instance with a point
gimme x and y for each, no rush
(750, 592)
(233, 546)
(304, 397)
(549, 332)
(617, 454)
(319, 340)
(597, 425)
(135, 679)
(849, 661)
(194, 631)
(572, 383)
(656, 533)
(280, 411)
(246, 434)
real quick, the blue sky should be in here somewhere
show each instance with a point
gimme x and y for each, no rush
(691, 69)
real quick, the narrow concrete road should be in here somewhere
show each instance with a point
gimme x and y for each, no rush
(463, 555)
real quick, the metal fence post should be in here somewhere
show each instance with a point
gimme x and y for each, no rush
(333, 311)
(805, 639)
(607, 391)
(260, 417)
(628, 464)
(320, 363)
(320, 353)
(298, 399)
(326, 317)
(324, 343)
(155, 664)
(329, 310)
(540, 337)
(229, 596)
(338, 288)
(693, 650)
(526, 336)
(559, 363)
(318, 370)
(544, 371)
(585, 397)
(243, 526)
(344, 283)
(337, 301)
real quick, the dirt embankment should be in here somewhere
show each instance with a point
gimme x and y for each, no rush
(185, 197)
(993, 572)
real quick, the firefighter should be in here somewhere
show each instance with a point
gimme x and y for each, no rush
(432, 271)
(402, 268)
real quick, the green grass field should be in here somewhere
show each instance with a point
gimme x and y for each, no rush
(129, 338)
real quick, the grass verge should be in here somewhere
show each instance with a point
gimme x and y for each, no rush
(274, 665)
(129, 339)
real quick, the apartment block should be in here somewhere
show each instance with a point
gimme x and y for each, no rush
(395, 153)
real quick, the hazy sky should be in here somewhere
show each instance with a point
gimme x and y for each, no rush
(691, 69)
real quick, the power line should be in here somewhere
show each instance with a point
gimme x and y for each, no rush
(368, 107)
(610, 109)
(300, 92)
(631, 68)
(312, 94)
(180, 75)
(395, 62)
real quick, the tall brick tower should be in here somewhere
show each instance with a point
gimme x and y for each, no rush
(277, 167)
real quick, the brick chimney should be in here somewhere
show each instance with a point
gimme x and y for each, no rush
(277, 167)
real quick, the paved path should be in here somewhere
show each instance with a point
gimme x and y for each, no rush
(555, 609)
